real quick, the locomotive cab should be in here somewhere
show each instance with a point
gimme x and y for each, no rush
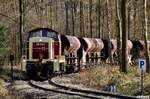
(44, 53)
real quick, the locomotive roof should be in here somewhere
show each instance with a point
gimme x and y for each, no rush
(48, 29)
(43, 32)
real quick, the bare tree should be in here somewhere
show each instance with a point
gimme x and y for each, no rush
(108, 28)
(98, 18)
(66, 18)
(146, 39)
(21, 25)
(56, 11)
(72, 17)
(124, 13)
(119, 31)
(129, 19)
(81, 19)
(103, 21)
(51, 14)
(90, 18)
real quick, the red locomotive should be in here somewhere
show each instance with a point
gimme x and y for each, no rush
(43, 53)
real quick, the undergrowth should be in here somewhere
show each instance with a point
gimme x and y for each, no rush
(3, 90)
(127, 83)
(5, 77)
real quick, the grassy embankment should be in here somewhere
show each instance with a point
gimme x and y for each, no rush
(127, 83)
(5, 77)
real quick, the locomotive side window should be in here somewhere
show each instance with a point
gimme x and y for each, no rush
(56, 48)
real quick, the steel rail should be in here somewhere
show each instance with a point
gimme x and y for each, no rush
(94, 92)
(68, 92)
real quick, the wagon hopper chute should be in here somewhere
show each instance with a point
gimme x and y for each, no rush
(91, 50)
(70, 45)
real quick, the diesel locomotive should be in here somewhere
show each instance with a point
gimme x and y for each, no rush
(43, 48)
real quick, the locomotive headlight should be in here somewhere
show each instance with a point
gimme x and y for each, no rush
(43, 61)
(24, 60)
(23, 63)
(40, 40)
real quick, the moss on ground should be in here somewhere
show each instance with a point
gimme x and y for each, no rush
(127, 83)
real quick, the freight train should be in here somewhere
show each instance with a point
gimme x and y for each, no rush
(48, 52)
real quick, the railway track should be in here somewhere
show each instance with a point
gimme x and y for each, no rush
(93, 92)
(64, 91)
(57, 88)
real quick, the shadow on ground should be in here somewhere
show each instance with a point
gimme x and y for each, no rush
(6, 74)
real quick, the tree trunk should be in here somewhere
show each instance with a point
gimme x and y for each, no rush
(75, 7)
(108, 28)
(72, 17)
(90, 18)
(131, 18)
(103, 21)
(81, 18)
(37, 11)
(51, 14)
(98, 18)
(146, 39)
(67, 21)
(124, 35)
(21, 27)
(129, 21)
(41, 11)
(119, 31)
(134, 19)
(56, 14)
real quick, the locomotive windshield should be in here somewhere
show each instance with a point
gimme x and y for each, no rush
(36, 34)
(43, 33)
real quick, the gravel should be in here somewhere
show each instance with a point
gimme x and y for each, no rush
(23, 90)
(70, 81)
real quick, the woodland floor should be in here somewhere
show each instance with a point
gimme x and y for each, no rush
(100, 78)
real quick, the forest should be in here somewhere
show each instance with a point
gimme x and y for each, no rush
(117, 19)
(89, 18)
(81, 18)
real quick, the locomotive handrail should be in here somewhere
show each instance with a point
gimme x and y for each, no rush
(71, 57)
(96, 57)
